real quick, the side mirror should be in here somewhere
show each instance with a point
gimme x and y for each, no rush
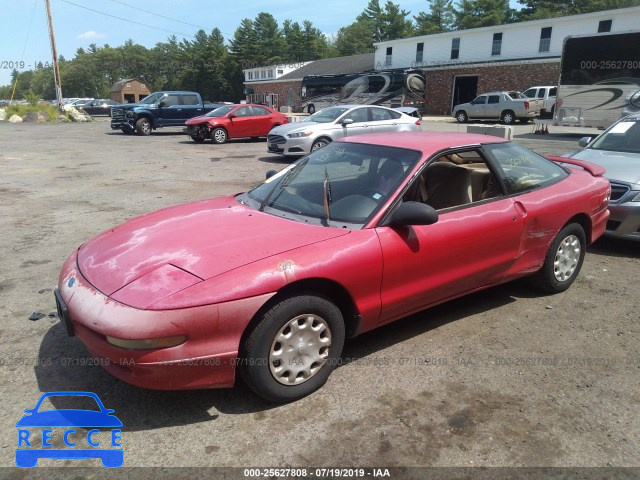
(584, 141)
(163, 104)
(412, 213)
(270, 173)
(347, 121)
(231, 116)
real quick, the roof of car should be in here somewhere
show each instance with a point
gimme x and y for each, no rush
(427, 142)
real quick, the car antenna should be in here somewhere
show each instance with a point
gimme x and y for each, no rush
(326, 189)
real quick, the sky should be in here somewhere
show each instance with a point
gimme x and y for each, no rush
(24, 39)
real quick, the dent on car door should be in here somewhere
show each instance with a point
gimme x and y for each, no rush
(471, 245)
(534, 184)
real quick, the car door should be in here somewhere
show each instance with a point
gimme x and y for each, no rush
(382, 120)
(190, 106)
(261, 121)
(170, 113)
(240, 124)
(360, 125)
(477, 107)
(492, 109)
(90, 107)
(470, 246)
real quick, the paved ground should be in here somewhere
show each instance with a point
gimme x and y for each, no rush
(505, 377)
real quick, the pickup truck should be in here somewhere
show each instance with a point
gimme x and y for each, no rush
(160, 109)
(505, 106)
(548, 95)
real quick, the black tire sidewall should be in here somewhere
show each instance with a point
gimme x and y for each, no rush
(504, 114)
(139, 128)
(547, 279)
(254, 367)
(465, 117)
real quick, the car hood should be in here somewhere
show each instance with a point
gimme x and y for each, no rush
(179, 246)
(621, 166)
(200, 119)
(299, 126)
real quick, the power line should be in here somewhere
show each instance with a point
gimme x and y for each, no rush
(126, 19)
(158, 15)
(26, 42)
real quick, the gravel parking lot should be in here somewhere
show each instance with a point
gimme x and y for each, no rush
(504, 377)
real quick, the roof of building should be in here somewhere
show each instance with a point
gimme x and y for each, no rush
(118, 86)
(333, 66)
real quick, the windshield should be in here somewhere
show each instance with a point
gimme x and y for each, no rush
(327, 115)
(624, 136)
(220, 112)
(153, 98)
(350, 181)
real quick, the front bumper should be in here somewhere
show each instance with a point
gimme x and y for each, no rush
(624, 221)
(295, 147)
(207, 359)
(127, 124)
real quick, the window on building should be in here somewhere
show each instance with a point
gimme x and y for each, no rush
(389, 55)
(604, 26)
(455, 48)
(419, 52)
(249, 75)
(263, 74)
(496, 46)
(270, 73)
(545, 39)
(280, 71)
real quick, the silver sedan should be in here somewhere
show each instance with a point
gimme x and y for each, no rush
(617, 149)
(321, 128)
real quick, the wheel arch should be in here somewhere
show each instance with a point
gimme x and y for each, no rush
(584, 221)
(148, 116)
(323, 287)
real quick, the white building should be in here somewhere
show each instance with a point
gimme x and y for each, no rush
(270, 72)
(458, 65)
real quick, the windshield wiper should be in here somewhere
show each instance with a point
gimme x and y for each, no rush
(284, 181)
(326, 190)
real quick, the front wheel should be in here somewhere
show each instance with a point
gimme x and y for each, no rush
(563, 261)
(197, 138)
(318, 144)
(143, 126)
(311, 109)
(461, 117)
(294, 348)
(508, 117)
(219, 135)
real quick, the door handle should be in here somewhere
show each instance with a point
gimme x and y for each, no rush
(520, 209)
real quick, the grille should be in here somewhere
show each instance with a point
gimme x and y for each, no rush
(117, 113)
(618, 191)
(276, 139)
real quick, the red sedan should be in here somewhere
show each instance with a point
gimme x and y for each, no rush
(358, 234)
(234, 121)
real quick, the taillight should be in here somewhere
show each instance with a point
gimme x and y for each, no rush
(417, 122)
(526, 105)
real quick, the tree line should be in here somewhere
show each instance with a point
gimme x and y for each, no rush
(212, 67)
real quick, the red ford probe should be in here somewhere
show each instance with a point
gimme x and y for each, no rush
(358, 234)
(234, 121)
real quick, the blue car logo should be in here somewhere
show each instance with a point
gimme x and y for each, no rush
(44, 422)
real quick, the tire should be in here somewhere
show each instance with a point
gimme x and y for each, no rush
(461, 116)
(563, 261)
(219, 135)
(319, 143)
(280, 374)
(143, 126)
(311, 109)
(197, 138)
(524, 120)
(508, 117)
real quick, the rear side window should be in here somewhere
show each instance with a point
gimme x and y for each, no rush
(380, 114)
(552, 92)
(257, 111)
(521, 169)
(189, 99)
(171, 100)
(395, 115)
(494, 99)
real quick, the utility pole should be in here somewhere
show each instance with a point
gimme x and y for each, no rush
(54, 53)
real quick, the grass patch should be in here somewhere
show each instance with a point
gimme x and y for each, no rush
(21, 110)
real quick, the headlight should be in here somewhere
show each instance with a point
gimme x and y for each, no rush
(147, 344)
(299, 134)
(636, 198)
(130, 114)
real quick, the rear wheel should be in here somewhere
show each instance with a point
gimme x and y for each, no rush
(461, 116)
(219, 135)
(294, 348)
(197, 138)
(563, 261)
(508, 117)
(311, 109)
